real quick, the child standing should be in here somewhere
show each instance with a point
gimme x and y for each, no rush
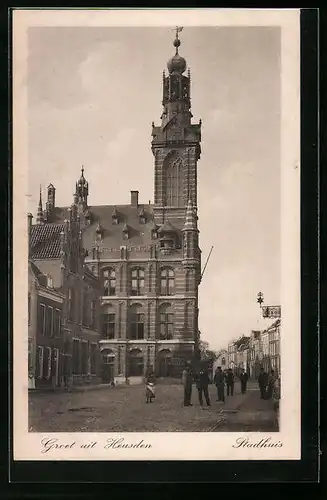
(150, 388)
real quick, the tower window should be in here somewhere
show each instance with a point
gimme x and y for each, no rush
(137, 282)
(167, 282)
(109, 282)
(173, 178)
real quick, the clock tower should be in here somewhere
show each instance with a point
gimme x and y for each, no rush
(175, 143)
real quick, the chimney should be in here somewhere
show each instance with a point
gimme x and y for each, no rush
(134, 199)
(29, 218)
(51, 201)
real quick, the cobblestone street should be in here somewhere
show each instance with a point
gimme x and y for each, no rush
(123, 409)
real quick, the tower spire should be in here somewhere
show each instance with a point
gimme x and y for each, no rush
(82, 190)
(39, 215)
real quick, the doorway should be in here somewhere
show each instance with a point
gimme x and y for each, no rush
(165, 363)
(108, 365)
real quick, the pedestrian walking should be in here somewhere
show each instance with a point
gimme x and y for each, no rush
(244, 380)
(219, 380)
(150, 388)
(271, 384)
(263, 382)
(202, 382)
(230, 382)
(187, 380)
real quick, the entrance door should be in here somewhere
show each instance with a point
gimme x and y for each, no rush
(108, 363)
(107, 373)
(165, 366)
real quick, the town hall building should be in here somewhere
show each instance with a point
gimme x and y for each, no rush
(147, 256)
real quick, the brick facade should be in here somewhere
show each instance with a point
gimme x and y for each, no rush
(145, 256)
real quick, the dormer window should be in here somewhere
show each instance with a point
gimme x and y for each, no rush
(49, 281)
(154, 230)
(142, 216)
(99, 231)
(167, 243)
(87, 217)
(125, 232)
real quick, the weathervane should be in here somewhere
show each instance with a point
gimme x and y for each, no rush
(178, 30)
(177, 41)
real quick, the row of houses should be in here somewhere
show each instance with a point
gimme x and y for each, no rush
(63, 307)
(259, 350)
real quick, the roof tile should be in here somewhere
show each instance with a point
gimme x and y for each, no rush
(45, 241)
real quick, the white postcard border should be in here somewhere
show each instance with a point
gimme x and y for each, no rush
(167, 446)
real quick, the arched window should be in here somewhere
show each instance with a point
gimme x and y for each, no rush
(108, 357)
(137, 319)
(109, 282)
(173, 178)
(137, 287)
(108, 323)
(166, 322)
(135, 363)
(167, 281)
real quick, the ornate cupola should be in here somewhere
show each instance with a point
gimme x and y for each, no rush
(82, 190)
(176, 88)
(176, 141)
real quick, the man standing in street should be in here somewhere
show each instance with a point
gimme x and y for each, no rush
(187, 380)
(244, 380)
(230, 382)
(202, 382)
(263, 382)
(219, 380)
(271, 384)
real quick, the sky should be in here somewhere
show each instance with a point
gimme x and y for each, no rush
(92, 96)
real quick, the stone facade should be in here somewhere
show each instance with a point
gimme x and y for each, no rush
(146, 256)
(64, 305)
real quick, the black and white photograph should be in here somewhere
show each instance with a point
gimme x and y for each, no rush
(157, 274)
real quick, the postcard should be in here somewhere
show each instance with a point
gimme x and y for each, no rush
(156, 234)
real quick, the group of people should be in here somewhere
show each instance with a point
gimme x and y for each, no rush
(202, 380)
(227, 377)
(267, 384)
